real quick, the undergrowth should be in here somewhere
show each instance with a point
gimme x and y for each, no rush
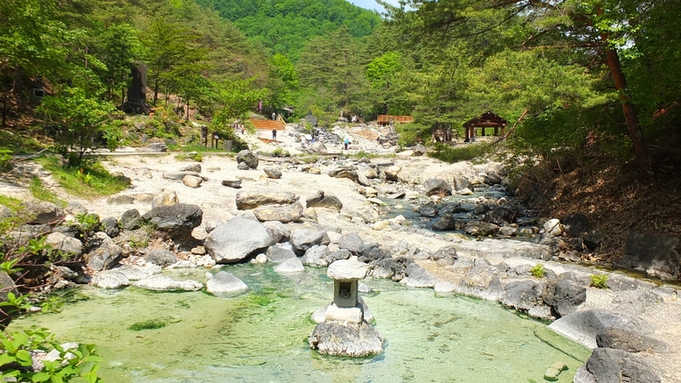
(89, 181)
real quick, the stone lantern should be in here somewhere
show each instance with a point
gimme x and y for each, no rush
(343, 326)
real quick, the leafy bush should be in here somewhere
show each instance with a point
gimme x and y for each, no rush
(599, 281)
(466, 152)
(151, 324)
(15, 357)
(5, 160)
(80, 123)
(538, 271)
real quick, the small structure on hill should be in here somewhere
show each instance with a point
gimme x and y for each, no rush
(486, 120)
(388, 119)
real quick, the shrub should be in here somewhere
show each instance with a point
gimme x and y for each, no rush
(599, 281)
(15, 357)
(538, 271)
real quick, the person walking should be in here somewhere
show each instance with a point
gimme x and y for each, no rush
(274, 134)
(346, 143)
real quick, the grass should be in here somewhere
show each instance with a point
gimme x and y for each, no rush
(39, 191)
(13, 204)
(467, 152)
(88, 181)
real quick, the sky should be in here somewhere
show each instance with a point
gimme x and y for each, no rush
(371, 4)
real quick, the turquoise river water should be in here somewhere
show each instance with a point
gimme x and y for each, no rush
(261, 336)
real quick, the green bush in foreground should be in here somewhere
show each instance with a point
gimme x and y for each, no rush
(16, 361)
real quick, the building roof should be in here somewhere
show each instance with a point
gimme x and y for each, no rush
(487, 119)
(277, 124)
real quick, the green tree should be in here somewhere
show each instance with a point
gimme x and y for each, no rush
(81, 122)
(120, 49)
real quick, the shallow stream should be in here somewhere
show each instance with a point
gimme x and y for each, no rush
(261, 336)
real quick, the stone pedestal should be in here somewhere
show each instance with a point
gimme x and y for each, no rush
(343, 327)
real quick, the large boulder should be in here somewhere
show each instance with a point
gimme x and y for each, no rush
(110, 279)
(225, 283)
(629, 341)
(303, 239)
(565, 296)
(291, 265)
(323, 200)
(246, 200)
(163, 283)
(576, 224)
(41, 212)
(236, 239)
(583, 326)
(161, 257)
(417, 276)
(7, 285)
(527, 296)
(131, 220)
(657, 255)
(65, 244)
(278, 231)
(437, 186)
(392, 173)
(607, 365)
(501, 215)
(247, 157)
(349, 172)
(279, 253)
(444, 223)
(317, 147)
(316, 256)
(272, 172)
(352, 242)
(284, 214)
(105, 253)
(177, 220)
(346, 339)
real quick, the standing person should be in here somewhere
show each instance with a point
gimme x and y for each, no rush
(274, 116)
(274, 134)
(346, 143)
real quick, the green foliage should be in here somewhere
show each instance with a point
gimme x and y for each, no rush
(73, 364)
(39, 191)
(151, 324)
(466, 152)
(538, 270)
(88, 222)
(285, 26)
(80, 120)
(89, 180)
(8, 266)
(13, 204)
(5, 159)
(14, 304)
(599, 281)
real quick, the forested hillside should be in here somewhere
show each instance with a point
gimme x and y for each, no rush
(285, 26)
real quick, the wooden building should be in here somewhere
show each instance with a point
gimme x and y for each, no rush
(486, 120)
(387, 119)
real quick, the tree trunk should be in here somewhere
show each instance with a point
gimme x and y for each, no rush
(17, 85)
(155, 90)
(630, 116)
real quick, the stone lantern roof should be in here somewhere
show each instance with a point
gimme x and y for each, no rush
(346, 270)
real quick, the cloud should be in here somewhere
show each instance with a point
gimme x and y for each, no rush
(372, 4)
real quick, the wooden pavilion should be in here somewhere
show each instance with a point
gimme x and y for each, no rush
(486, 120)
(388, 119)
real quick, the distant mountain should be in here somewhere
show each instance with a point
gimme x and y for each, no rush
(285, 25)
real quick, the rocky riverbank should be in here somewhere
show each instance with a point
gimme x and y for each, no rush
(310, 213)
